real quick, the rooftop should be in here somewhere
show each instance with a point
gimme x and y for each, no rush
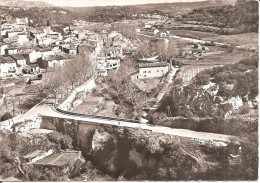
(156, 64)
(6, 60)
(18, 57)
(59, 159)
(33, 154)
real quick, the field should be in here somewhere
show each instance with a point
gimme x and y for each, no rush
(226, 58)
(193, 34)
(248, 39)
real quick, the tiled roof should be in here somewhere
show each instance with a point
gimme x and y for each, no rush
(156, 64)
(18, 57)
(6, 60)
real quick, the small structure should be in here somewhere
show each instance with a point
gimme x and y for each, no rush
(36, 156)
(151, 70)
(7, 66)
(65, 161)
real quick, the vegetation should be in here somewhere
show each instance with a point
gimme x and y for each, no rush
(234, 80)
(65, 78)
(243, 17)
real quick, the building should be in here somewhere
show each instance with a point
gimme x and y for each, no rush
(22, 38)
(85, 49)
(151, 70)
(7, 66)
(112, 63)
(52, 61)
(64, 161)
(70, 49)
(3, 47)
(30, 54)
(36, 156)
(11, 50)
(19, 59)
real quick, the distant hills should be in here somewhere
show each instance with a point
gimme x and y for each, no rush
(26, 4)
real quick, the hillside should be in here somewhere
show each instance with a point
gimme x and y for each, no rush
(242, 17)
(220, 91)
(21, 3)
(38, 11)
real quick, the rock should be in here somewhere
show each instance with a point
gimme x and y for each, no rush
(99, 140)
(153, 145)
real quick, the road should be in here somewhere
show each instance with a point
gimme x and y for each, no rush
(49, 111)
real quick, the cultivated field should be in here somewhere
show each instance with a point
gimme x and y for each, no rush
(193, 34)
(248, 39)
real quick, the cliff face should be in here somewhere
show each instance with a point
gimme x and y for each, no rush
(141, 155)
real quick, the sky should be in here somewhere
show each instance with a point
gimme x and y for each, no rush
(81, 3)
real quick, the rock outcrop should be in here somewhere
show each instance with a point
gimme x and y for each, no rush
(99, 140)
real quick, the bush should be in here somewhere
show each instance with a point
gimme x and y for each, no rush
(244, 109)
(6, 116)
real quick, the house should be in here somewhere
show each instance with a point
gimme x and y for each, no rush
(7, 66)
(85, 49)
(54, 35)
(147, 26)
(22, 38)
(36, 156)
(45, 52)
(5, 28)
(3, 47)
(164, 33)
(11, 50)
(112, 63)
(30, 54)
(19, 59)
(52, 61)
(104, 64)
(64, 161)
(156, 31)
(113, 52)
(151, 70)
(14, 32)
(36, 33)
(70, 49)
(31, 69)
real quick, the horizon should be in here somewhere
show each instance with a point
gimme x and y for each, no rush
(93, 3)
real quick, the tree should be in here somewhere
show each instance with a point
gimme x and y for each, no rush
(6, 116)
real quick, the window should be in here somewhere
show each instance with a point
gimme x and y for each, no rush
(162, 70)
(144, 71)
(149, 71)
(157, 70)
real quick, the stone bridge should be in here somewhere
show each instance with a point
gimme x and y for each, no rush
(47, 111)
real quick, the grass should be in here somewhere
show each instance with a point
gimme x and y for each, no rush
(247, 39)
(193, 34)
(218, 59)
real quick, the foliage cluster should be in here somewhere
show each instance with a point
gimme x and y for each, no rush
(242, 17)
(233, 80)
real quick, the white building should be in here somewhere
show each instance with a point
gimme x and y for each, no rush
(151, 70)
(7, 66)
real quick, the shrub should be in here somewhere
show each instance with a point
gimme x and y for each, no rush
(6, 116)
(244, 109)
